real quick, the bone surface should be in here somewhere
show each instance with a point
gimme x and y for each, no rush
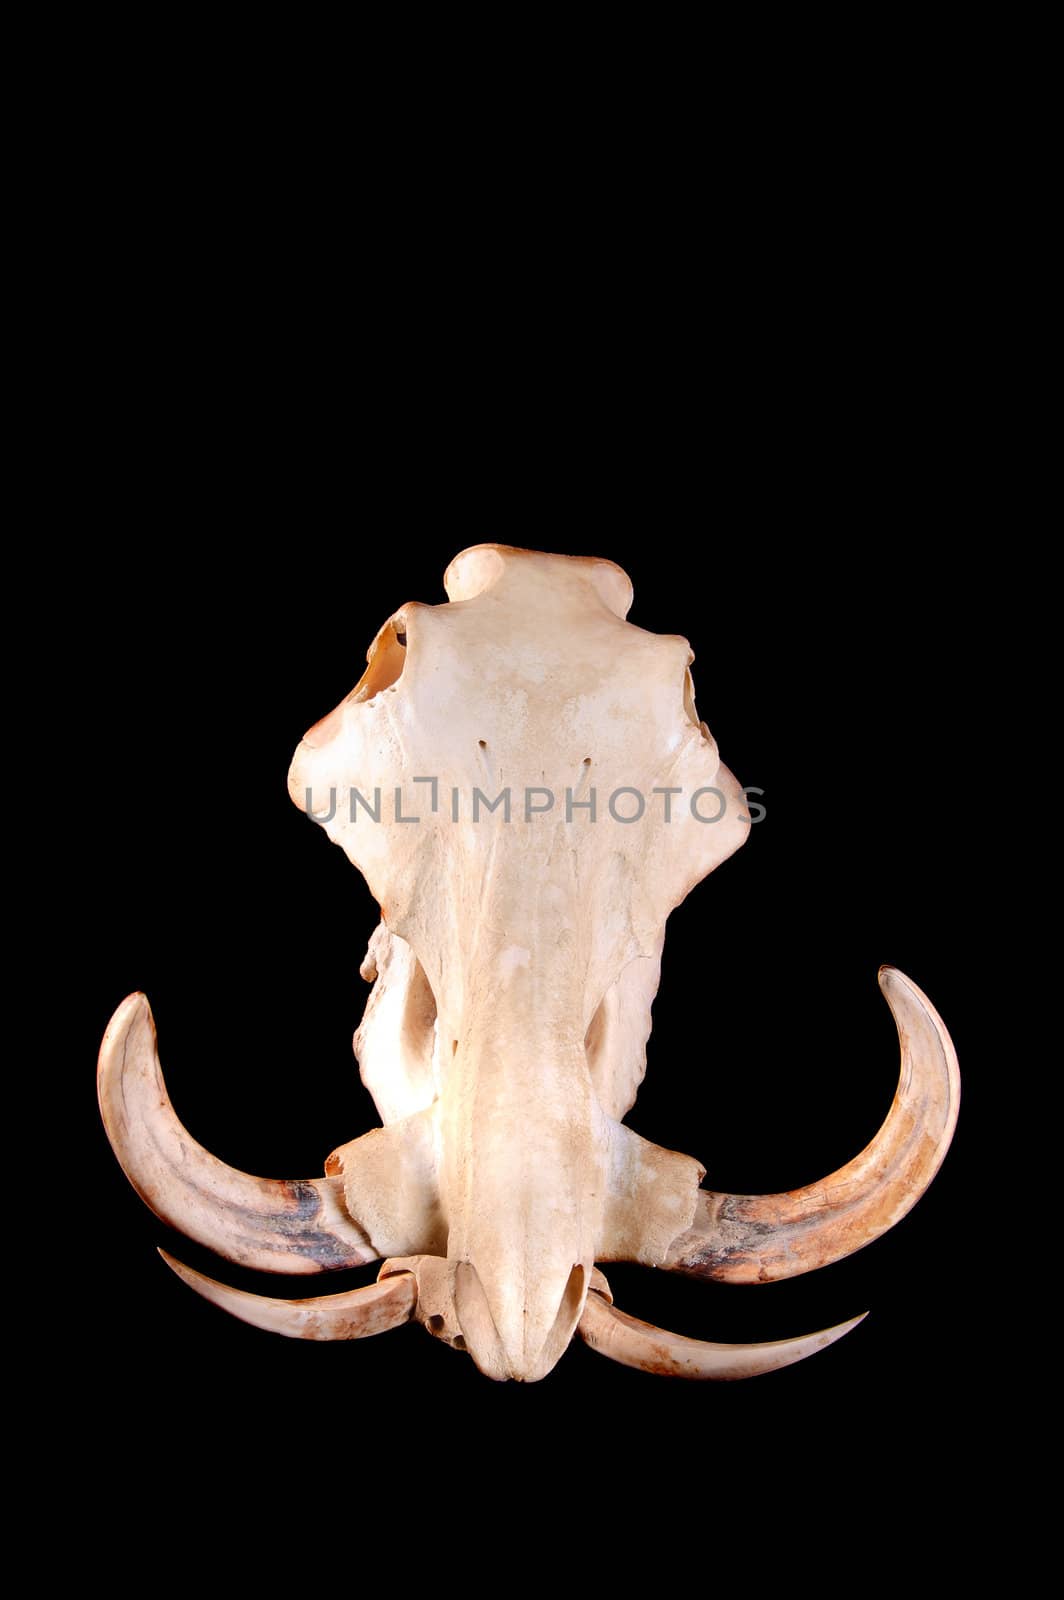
(523, 780)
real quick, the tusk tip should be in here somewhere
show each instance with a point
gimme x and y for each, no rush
(829, 1336)
(894, 984)
(844, 1327)
(133, 1008)
(219, 1294)
(131, 1014)
(186, 1274)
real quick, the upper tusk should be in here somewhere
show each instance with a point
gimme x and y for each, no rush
(639, 1344)
(299, 1226)
(760, 1238)
(356, 1314)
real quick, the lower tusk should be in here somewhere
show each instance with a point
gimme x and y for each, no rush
(639, 1344)
(358, 1314)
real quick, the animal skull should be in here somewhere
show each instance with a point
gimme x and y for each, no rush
(522, 779)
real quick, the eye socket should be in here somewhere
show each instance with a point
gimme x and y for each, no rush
(689, 697)
(387, 658)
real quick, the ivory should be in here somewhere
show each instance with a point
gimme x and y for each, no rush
(523, 780)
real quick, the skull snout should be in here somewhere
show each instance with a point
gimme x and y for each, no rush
(518, 1335)
(508, 1334)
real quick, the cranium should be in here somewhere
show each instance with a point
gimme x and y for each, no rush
(523, 780)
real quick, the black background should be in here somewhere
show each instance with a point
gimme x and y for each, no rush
(270, 437)
(838, 666)
(292, 346)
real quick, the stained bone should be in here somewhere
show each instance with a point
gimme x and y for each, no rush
(299, 1226)
(538, 936)
(514, 969)
(761, 1238)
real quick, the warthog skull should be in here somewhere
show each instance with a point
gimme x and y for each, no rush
(523, 780)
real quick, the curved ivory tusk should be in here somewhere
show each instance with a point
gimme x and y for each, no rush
(299, 1226)
(739, 1238)
(639, 1344)
(358, 1314)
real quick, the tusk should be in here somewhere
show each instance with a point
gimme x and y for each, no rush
(639, 1344)
(739, 1238)
(300, 1226)
(358, 1314)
